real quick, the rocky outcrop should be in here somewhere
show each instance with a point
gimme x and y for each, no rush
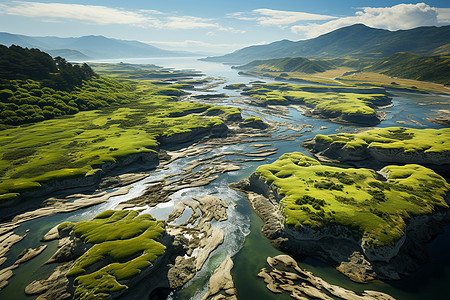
(188, 246)
(285, 276)
(219, 130)
(123, 179)
(54, 287)
(24, 256)
(131, 162)
(201, 238)
(354, 118)
(255, 123)
(340, 246)
(32, 198)
(221, 285)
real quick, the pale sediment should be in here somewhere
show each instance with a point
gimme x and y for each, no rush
(221, 285)
(285, 276)
(26, 255)
(201, 238)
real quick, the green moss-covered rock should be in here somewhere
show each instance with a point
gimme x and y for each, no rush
(253, 122)
(342, 104)
(316, 195)
(392, 144)
(125, 243)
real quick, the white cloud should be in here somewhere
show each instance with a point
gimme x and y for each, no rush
(266, 16)
(443, 16)
(188, 22)
(102, 15)
(151, 11)
(401, 16)
(92, 14)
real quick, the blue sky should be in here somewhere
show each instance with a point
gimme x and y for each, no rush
(211, 26)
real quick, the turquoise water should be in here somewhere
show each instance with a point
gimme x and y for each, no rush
(243, 238)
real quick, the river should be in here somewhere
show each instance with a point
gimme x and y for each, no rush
(243, 238)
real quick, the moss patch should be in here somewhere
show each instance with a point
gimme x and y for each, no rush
(125, 244)
(316, 195)
(328, 101)
(406, 139)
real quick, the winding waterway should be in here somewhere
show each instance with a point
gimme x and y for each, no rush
(243, 238)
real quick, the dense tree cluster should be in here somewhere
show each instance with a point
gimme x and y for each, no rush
(23, 63)
(35, 87)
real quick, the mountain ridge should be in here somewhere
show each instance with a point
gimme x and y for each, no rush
(352, 41)
(88, 47)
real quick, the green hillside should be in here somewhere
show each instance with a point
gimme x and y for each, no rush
(35, 87)
(412, 66)
(403, 65)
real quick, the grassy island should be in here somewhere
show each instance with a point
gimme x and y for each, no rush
(406, 139)
(317, 195)
(392, 144)
(342, 103)
(125, 243)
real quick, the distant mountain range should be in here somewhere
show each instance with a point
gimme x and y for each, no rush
(88, 47)
(352, 41)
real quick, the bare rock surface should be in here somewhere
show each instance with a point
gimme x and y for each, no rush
(285, 276)
(62, 206)
(55, 287)
(51, 235)
(200, 238)
(26, 255)
(121, 180)
(221, 285)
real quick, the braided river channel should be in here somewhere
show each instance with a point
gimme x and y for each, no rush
(244, 241)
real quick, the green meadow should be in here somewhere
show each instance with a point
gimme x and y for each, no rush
(317, 195)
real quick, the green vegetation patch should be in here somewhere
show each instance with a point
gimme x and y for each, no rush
(27, 101)
(435, 68)
(252, 119)
(143, 72)
(412, 66)
(332, 103)
(80, 144)
(316, 195)
(125, 244)
(406, 139)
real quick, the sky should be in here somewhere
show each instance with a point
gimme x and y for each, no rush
(212, 27)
